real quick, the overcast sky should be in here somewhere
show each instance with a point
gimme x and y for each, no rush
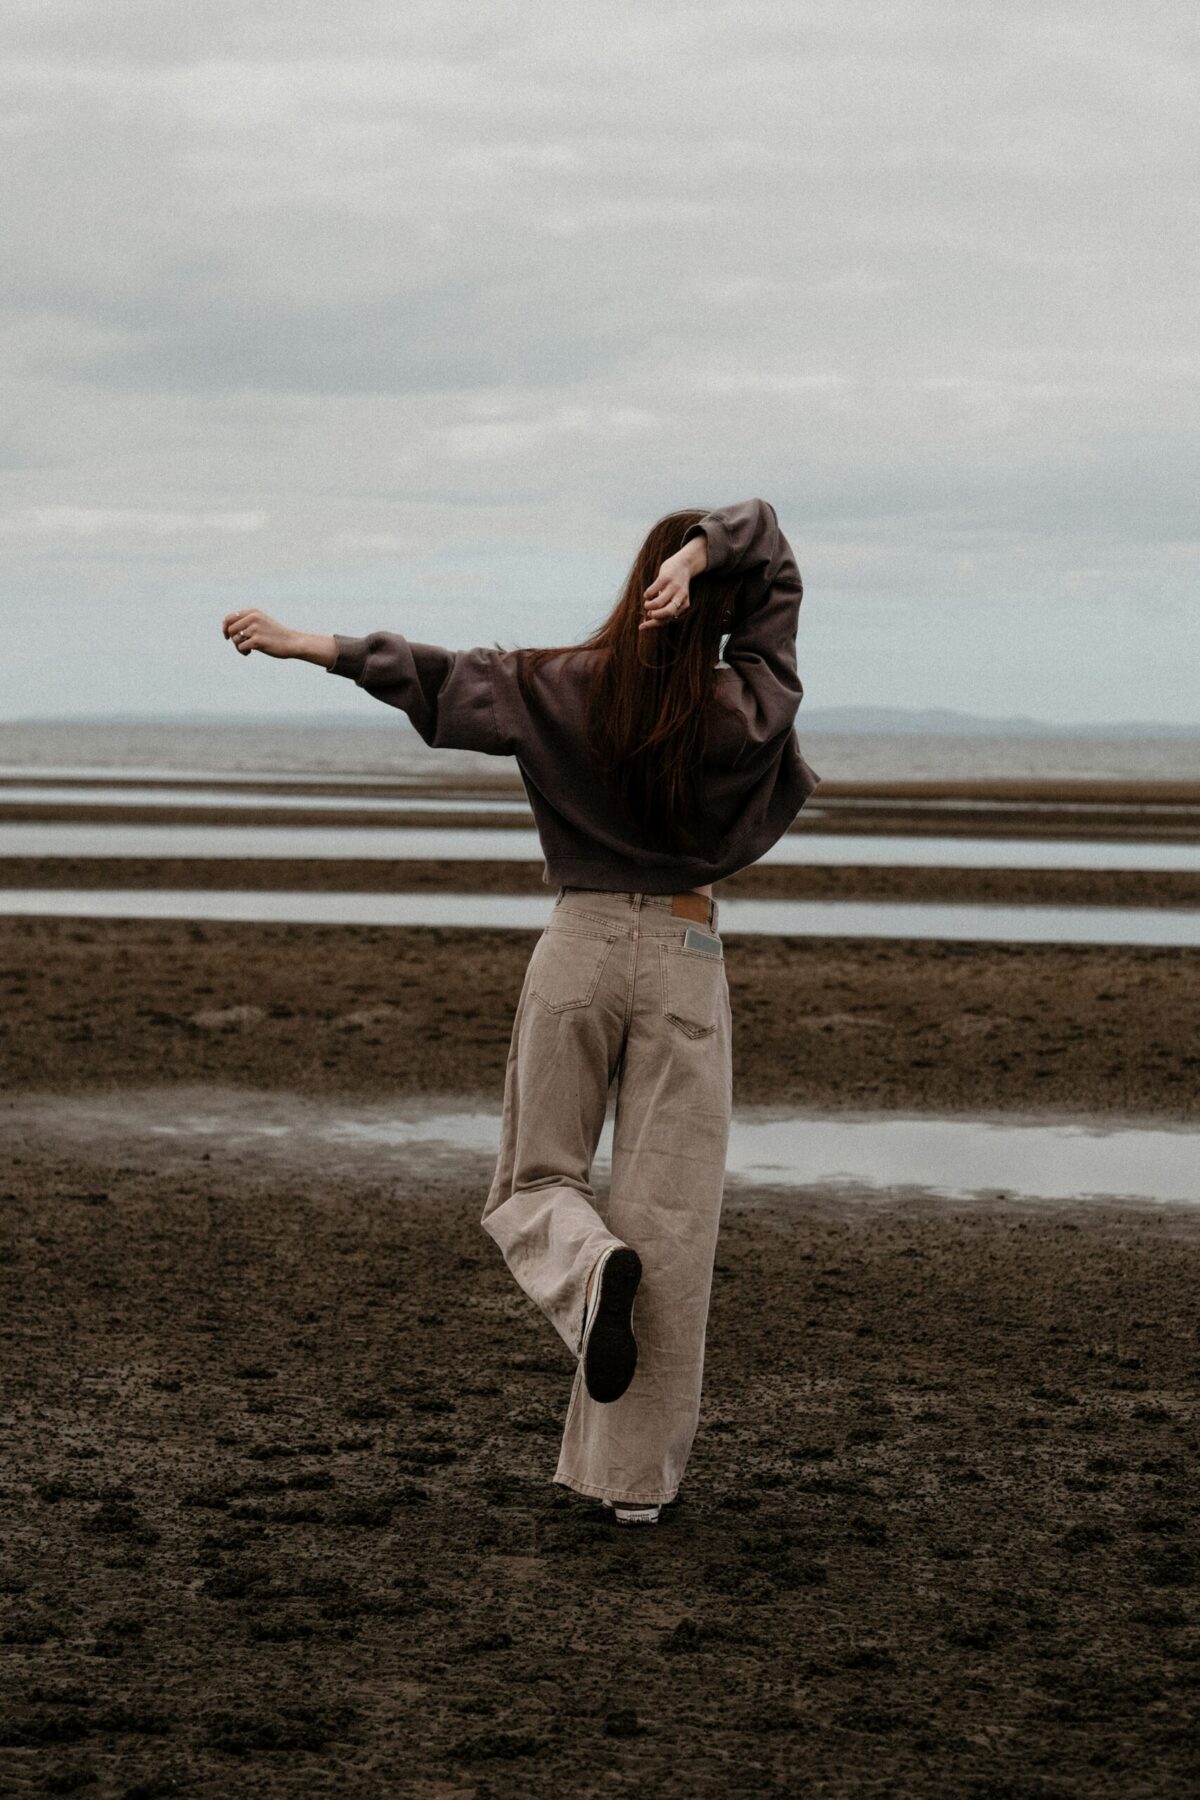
(417, 317)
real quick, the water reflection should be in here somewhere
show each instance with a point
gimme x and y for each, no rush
(528, 912)
(190, 797)
(469, 844)
(239, 776)
(867, 1155)
(194, 789)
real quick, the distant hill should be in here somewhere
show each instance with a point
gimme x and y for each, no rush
(943, 722)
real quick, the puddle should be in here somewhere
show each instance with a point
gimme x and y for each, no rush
(161, 775)
(868, 1155)
(240, 799)
(1169, 811)
(528, 912)
(470, 844)
(952, 1159)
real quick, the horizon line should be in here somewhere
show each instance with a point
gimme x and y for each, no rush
(884, 714)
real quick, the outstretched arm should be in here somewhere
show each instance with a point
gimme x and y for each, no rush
(251, 629)
(448, 694)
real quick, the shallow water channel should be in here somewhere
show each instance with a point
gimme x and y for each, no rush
(192, 798)
(971, 923)
(866, 1155)
(518, 844)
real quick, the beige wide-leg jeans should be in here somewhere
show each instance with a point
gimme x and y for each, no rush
(617, 990)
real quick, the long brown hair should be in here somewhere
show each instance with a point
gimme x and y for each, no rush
(650, 703)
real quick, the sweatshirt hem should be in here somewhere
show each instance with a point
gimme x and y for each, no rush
(566, 871)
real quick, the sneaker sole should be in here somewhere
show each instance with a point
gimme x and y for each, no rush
(635, 1515)
(610, 1353)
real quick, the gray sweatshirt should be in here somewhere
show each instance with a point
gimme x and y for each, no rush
(754, 780)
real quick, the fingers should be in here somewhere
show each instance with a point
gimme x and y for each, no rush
(242, 627)
(665, 599)
(670, 604)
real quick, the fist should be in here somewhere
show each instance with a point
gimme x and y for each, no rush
(251, 629)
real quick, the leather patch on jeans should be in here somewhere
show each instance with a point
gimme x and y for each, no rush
(690, 906)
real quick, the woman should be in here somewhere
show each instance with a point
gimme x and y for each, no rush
(652, 769)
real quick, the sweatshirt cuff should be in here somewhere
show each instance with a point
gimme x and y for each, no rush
(715, 536)
(351, 657)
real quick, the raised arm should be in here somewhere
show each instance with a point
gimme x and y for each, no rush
(745, 540)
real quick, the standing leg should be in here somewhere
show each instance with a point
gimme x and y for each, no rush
(565, 1044)
(669, 1148)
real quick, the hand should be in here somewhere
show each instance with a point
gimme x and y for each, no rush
(251, 629)
(668, 597)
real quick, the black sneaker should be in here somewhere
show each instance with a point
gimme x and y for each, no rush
(608, 1349)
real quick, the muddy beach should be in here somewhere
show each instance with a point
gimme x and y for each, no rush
(278, 1518)
(276, 1506)
(932, 1026)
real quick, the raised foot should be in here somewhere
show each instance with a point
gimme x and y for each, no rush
(609, 1349)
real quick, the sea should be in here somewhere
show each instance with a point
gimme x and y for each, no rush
(392, 748)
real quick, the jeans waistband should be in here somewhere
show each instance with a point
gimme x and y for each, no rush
(619, 904)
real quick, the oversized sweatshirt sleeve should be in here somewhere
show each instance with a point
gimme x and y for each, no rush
(448, 694)
(745, 540)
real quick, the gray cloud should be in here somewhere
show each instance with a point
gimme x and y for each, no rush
(295, 300)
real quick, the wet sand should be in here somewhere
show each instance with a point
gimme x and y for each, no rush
(278, 1517)
(1115, 810)
(372, 1010)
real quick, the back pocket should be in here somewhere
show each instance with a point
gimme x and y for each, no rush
(566, 966)
(693, 986)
